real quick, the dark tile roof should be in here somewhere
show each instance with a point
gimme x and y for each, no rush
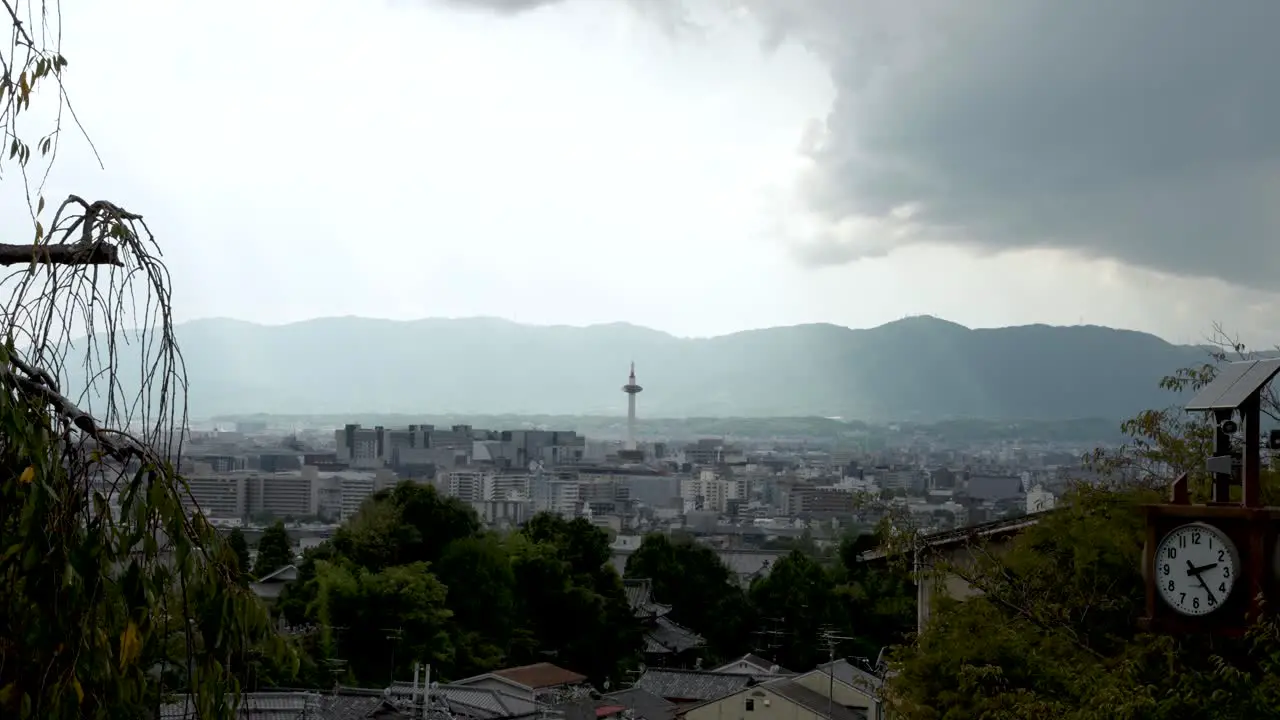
(814, 702)
(584, 709)
(644, 704)
(288, 705)
(640, 598)
(541, 675)
(666, 636)
(766, 666)
(479, 702)
(691, 684)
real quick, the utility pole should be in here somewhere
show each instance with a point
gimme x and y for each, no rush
(831, 640)
(393, 635)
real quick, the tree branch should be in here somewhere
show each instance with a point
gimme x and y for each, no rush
(98, 253)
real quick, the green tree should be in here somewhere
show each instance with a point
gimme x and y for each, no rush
(797, 595)
(571, 601)
(1054, 631)
(113, 598)
(429, 522)
(275, 550)
(873, 603)
(482, 596)
(387, 619)
(702, 592)
(240, 549)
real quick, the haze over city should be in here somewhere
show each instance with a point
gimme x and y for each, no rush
(690, 167)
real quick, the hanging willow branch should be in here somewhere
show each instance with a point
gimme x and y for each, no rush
(116, 598)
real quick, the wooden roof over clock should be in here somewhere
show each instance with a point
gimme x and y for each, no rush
(1213, 567)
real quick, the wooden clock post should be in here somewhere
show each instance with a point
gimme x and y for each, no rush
(1211, 568)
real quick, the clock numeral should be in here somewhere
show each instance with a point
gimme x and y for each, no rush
(1166, 568)
(1222, 555)
(1226, 571)
(1213, 600)
(1195, 603)
(1195, 538)
(1182, 599)
(1171, 553)
(1182, 541)
(1222, 587)
(1170, 585)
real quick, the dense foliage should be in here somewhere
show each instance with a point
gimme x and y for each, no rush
(788, 613)
(275, 550)
(413, 577)
(1055, 633)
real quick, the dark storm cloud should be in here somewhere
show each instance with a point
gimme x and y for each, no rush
(1145, 130)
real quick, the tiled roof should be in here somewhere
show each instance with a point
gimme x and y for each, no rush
(691, 684)
(541, 675)
(286, 706)
(640, 598)
(814, 702)
(644, 704)
(666, 636)
(766, 667)
(483, 701)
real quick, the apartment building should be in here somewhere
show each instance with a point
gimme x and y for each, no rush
(713, 492)
(299, 493)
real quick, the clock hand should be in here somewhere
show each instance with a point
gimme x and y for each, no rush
(1212, 600)
(1193, 570)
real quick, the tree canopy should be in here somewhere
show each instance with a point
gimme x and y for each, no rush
(275, 550)
(1054, 632)
(412, 577)
(114, 598)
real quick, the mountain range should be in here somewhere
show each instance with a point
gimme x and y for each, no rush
(920, 369)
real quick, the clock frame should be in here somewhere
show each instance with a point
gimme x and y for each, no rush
(1196, 569)
(1253, 533)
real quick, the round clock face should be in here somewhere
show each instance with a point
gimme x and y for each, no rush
(1195, 568)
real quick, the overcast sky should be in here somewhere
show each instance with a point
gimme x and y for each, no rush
(698, 170)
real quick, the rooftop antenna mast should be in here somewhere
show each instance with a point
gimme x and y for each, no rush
(831, 639)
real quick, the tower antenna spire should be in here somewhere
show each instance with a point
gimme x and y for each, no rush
(632, 388)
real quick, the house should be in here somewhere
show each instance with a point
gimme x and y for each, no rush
(666, 643)
(643, 705)
(691, 686)
(849, 685)
(754, 666)
(468, 702)
(268, 587)
(342, 704)
(541, 683)
(782, 699)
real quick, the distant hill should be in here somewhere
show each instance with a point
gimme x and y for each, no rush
(920, 369)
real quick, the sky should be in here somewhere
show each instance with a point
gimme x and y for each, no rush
(699, 167)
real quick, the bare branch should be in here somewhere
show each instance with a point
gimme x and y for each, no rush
(98, 253)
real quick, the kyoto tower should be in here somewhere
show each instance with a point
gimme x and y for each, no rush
(631, 389)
